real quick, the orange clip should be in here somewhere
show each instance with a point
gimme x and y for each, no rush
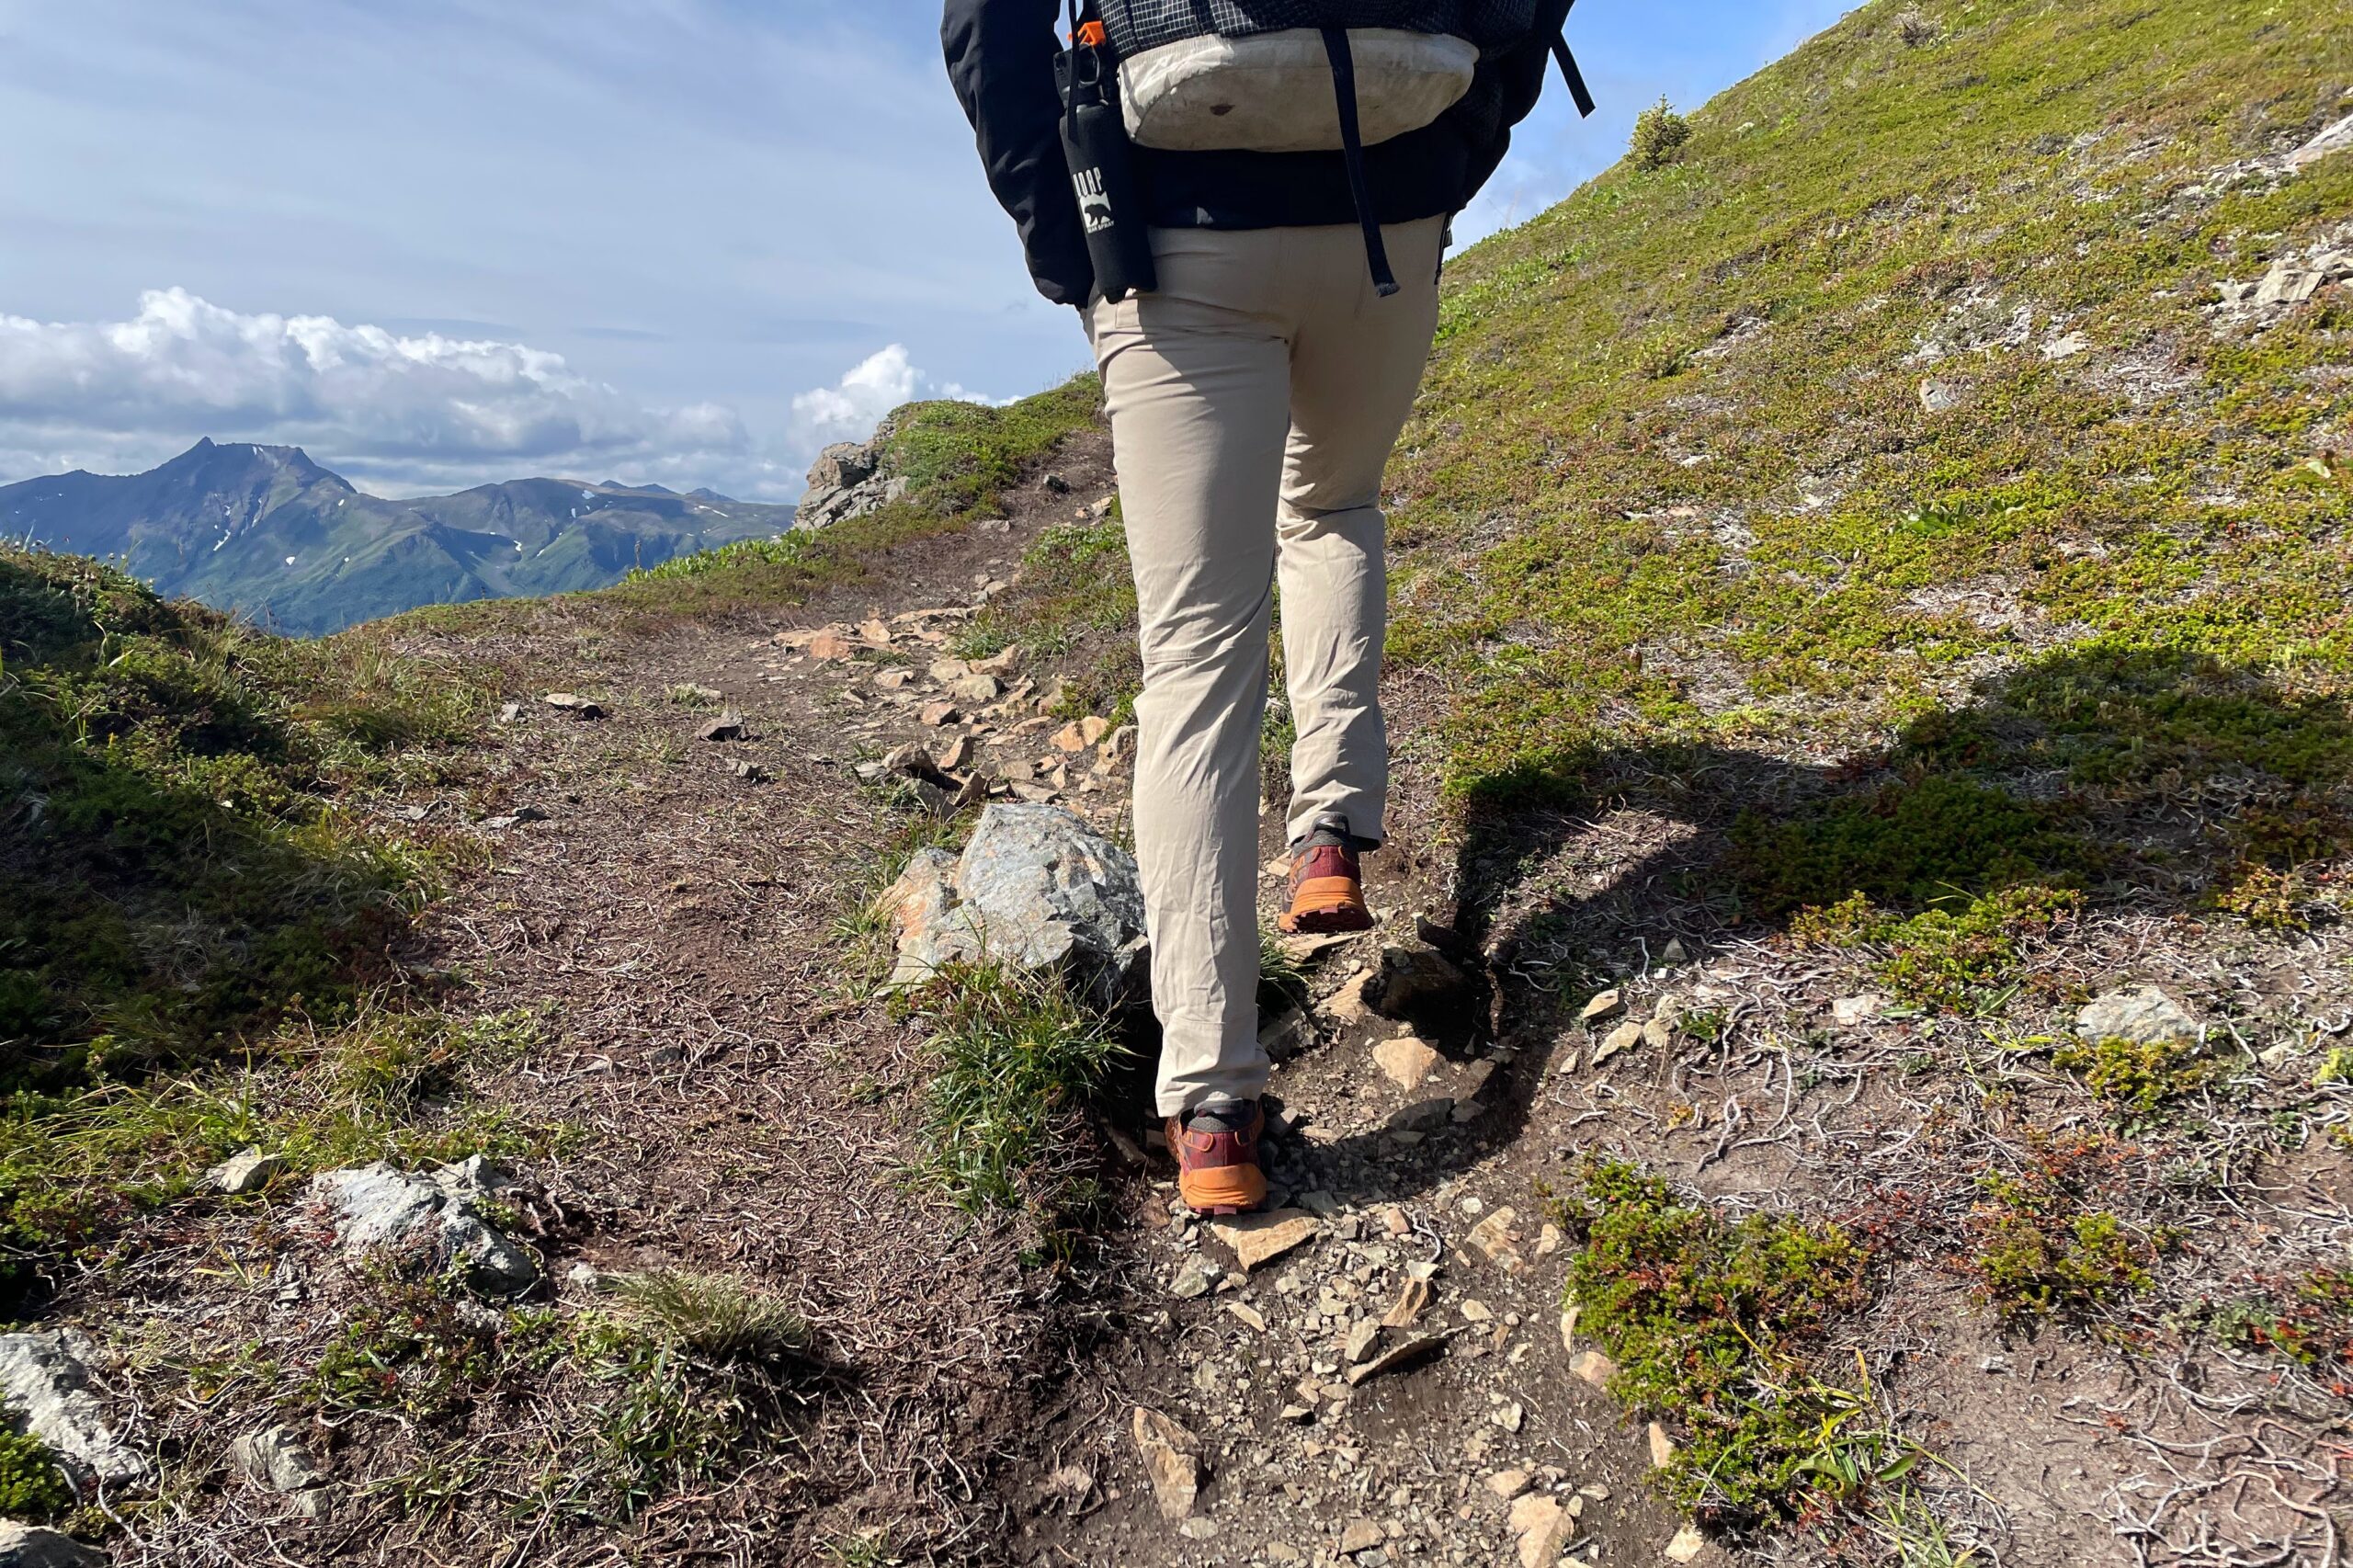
(1091, 35)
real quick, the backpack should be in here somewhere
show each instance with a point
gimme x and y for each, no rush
(1251, 75)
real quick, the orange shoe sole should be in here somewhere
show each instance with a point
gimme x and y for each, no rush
(1325, 906)
(1232, 1190)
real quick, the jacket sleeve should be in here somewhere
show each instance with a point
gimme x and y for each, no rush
(1001, 62)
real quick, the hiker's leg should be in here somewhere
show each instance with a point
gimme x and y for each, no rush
(1356, 362)
(1196, 376)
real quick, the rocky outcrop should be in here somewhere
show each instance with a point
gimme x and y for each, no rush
(44, 1390)
(31, 1546)
(1035, 889)
(426, 1223)
(848, 480)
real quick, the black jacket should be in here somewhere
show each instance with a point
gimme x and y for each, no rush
(1001, 61)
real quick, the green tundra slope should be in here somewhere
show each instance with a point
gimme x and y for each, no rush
(1933, 352)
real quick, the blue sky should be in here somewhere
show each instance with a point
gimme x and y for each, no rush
(445, 241)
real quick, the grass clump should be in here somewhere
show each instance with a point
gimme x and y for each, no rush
(2045, 1248)
(31, 1486)
(1659, 136)
(1710, 1321)
(2136, 1078)
(1919, 841)
(2306, 1319)
(76, 1166)
(1964, 960)
(715, 1315)
(1019, 1057)
(412, 1347)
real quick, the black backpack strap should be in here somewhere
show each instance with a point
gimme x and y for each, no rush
(1572, 76)
(1569, 71)
(1343, 84)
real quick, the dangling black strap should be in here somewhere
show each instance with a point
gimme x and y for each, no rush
(1572, 76)
(1569, 71)
(1344, 84)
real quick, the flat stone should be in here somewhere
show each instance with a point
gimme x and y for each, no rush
(31, 1546)
(1594, 1367)
(1259, 1239)
(893, 680)
(1852, 1012)
(1605, 1004)
(976, 688)
(954, 757)
(1363, 1335)
(1406, 1061)
(1412, 1299)
(1508, 1483)
(1192, 1282)
(1622, 1039)
(1686, 1544)
(1359, 1535)
(1398, 1356)
(1543, 1526)
(578, 707)
(1171, 1461)
(831, 646)
(1662, 1446)
(1394, 1220)
(1248, 1315)
(2142, 1014)
(725, 726)
(1498, 1238)
(935, 714)
(1422, 1116)
(247, 1170)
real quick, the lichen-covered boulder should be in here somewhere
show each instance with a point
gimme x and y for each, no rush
(44, 1390)
(428, 1223)
(1035, 889)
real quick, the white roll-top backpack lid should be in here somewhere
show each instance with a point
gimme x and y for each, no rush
(1272, 92)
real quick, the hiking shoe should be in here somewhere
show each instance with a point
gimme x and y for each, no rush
(1326, 886)
(1217, 1157)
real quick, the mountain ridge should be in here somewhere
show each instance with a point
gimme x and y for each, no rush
(268, 531)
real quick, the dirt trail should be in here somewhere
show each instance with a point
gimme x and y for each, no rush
(737, 1100)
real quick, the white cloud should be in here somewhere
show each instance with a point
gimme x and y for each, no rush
(401, 411)
(852, 406)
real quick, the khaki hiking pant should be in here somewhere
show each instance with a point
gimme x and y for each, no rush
(1254, 399)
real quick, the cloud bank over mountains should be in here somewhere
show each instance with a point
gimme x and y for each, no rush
(399, 412)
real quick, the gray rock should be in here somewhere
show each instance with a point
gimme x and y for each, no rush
(430, 1224)
(44, 1390)
(275, 1457)
(1423, 1116)
(848, 480)
(1415, 978)
(724, 726)
(1035, 889)
(31, 1546)
(2142, 1014)
(2336, 138)
(248, 1170)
